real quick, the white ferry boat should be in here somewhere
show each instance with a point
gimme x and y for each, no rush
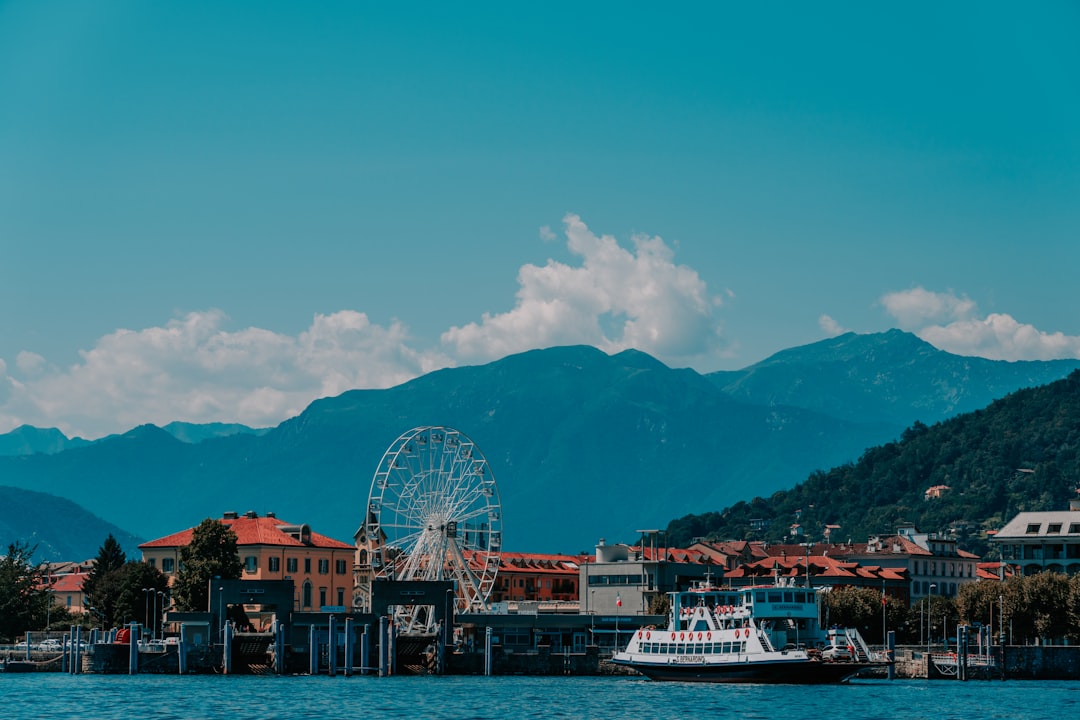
(765, 634)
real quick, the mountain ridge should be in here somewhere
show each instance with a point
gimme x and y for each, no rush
(582, 444)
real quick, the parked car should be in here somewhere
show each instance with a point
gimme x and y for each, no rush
(51, 644)
(836, 653)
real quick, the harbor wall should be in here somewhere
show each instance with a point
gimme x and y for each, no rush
(1022, 662)
(1042, 662)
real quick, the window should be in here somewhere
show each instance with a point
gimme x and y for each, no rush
(307, 566)
(324, 567)
(152, 562)
(275, 564)
(290, 565)
(167, 565)
(341, 597)
(1074, 528)
(307, 595)
(1033, 528)
(322, 597)
(251, 564)
(340, 569)
(1053, 528)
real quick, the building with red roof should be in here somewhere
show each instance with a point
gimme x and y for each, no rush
(536, 577)
(821, 571)
(933, 563)
(320, 567)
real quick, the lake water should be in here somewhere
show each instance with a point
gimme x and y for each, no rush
(55, 695)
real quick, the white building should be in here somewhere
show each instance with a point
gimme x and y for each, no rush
(1037, 541)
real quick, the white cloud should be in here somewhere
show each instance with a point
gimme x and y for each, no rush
(615, 299)
(830, 326)
(29, 363)
(195, 370)
(1001, 337)
(997, 336)
(916, 307)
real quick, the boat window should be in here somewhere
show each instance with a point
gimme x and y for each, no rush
(789, 597)
(759, 596)
(727, 647)
(700, 625)
(800, 597)
(775, 596)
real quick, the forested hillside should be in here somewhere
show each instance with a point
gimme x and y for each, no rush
(1020, 453)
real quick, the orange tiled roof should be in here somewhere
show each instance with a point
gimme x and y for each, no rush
(540, 562)
(819, 566)
(253, 531)
(68, 583)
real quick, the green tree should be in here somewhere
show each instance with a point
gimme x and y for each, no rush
(136, 588)
(980, 602)
(211, 553)
(1047, 595)
(24, 592)
(861, 608)
(930, 618)
(99, 585)
(1074, 608)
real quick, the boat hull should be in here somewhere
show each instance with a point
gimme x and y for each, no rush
(798, 672)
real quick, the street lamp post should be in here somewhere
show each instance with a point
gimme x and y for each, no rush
(158, 618)
(933, 586)
(147, 594)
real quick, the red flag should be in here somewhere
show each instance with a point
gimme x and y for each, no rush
(618, 601)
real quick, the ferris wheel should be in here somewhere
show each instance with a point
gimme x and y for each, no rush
(433, 513)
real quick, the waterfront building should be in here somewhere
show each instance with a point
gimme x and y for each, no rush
(730, 554)
(320, 567)
(821, 571)
(67, 592)
(540, 578)
(1037, 541)
(64, 581)
(932, 562)
(629, 580)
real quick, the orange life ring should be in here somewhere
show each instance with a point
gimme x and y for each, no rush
(648, 634)
(699, 635)
(672, 636)
(682, 636)
(708, 635)
(638, 634)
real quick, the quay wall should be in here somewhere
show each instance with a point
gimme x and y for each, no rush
(1022, 662)
(1042, 662)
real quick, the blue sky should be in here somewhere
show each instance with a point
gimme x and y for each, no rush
(215, 211)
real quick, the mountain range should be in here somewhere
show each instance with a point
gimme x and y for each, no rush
(582, 445)
(57, 529)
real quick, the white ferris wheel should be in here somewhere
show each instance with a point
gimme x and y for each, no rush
(433, 513)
